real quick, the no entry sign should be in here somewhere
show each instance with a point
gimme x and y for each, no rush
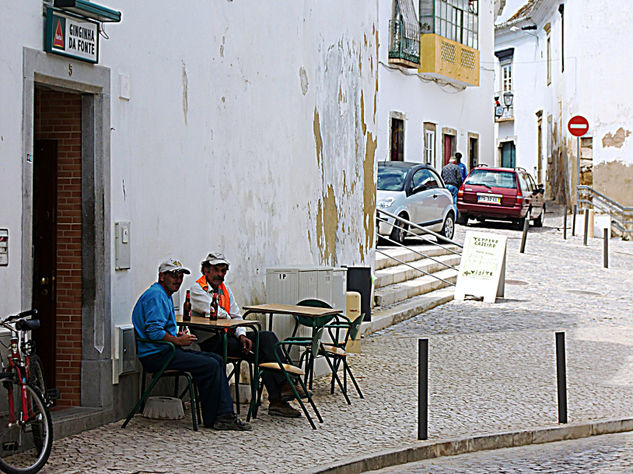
(578, 126)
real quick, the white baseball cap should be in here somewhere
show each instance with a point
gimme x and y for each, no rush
(172, 264)
(215, 258)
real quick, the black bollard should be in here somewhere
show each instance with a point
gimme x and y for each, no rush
(561, 377)
(565, 224)
(526, 224)
(584, 240)
(605, 248)
(573, 221)
(423, 388)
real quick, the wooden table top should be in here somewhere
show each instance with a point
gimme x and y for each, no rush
(276, 308)
(204, 322)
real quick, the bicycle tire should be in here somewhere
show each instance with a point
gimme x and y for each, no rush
(36, 378)
(17, 454)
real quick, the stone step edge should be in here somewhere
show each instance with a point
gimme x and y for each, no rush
(426, 264)
(383, 262)
(451, 447)
(382, 318)
(420, 286)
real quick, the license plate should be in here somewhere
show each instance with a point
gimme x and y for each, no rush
(489, 198)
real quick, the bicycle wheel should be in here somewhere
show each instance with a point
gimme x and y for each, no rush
(36, 379)
(26, 431)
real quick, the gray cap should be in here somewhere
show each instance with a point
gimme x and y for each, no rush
(172, 264)
(215, 258)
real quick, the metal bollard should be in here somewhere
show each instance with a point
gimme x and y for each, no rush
(526, 224)
(584, 240)
(565, 224)
(573, 221)
(423, 388)
(605, 248)
(561, 377)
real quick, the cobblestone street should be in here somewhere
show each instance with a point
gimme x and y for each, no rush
(491, 369)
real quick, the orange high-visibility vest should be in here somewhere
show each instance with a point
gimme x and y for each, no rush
(224, 300)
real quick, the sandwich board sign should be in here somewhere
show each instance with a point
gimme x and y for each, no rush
(483, 267)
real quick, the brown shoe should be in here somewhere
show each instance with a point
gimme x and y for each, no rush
(229, 421)
(287, 394)
(281, 408)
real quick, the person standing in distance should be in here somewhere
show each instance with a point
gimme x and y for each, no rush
(452, 177)
(462, 166)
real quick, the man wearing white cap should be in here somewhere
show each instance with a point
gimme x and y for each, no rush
(154, 318)
(214, 268)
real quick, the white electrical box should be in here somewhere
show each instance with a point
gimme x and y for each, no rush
(122, 245)
(290, 285)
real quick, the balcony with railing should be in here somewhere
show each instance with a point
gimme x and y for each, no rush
(404, 44)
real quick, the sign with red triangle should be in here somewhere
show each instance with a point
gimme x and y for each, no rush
(58, 40)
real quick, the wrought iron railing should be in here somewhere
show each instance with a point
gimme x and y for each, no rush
(404, 42)
(621, 216)
(420, 234)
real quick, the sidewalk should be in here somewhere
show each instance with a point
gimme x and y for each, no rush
(491, 370)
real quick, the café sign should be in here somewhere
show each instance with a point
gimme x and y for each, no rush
(71, 36)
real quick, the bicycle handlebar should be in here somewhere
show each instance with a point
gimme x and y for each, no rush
(23, 314)
(27, 324)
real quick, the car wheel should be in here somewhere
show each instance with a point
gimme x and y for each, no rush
(462, 219)
(538, 222)
(399, 233)
(448, 230)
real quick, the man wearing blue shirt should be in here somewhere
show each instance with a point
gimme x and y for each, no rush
(462, 166)
(154, 318)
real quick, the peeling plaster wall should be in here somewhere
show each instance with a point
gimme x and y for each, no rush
(595, 84)
(419, 100)
(250, 128)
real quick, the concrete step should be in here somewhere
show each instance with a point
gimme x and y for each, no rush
(408, 289)
(400, 273)
(407, 255)
(70, 421)
(386, 316)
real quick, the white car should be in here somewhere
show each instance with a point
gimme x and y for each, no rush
(415, 192)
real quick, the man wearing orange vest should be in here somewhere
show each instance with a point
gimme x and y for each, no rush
(214, 269)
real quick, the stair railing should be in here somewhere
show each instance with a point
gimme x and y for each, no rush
(405, 225)
(621, 216)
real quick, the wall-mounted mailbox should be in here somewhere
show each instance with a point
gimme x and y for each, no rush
(122, 245)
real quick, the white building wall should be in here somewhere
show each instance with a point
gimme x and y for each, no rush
(249, 128)
(422, 100)
(594, 84)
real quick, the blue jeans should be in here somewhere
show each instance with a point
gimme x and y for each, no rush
(209, 373)
(453, 189)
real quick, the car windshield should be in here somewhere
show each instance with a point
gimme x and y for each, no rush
(391, 178)
(492, 178)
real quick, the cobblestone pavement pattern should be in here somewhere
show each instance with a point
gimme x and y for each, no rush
(596, 455)
(492, 369)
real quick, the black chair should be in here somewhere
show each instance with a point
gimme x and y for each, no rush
(164, 372)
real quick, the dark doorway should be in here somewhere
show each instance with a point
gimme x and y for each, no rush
(397, 139)
(449, 147)
(508, 155)
(45, 252)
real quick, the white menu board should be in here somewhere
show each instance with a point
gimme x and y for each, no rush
(483, 266)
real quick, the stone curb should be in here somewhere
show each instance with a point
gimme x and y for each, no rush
(451, 447)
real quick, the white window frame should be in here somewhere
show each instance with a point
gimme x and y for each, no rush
(429, 147)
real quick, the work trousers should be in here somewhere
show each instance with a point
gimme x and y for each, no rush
(453, 189)
(209, 374)
(267, 341)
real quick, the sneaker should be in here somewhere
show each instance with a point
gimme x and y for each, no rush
(287, 394)
(230, 421)
(282, 408)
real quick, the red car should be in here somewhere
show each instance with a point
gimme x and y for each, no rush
(508, 194)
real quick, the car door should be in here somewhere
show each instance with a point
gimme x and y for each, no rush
(421, 200)
(537, 197)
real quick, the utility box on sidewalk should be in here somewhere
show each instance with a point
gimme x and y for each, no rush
(359, 279)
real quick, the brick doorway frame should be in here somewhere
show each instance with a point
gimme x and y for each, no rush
(93, 83)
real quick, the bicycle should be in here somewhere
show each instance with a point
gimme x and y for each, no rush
(26, 427)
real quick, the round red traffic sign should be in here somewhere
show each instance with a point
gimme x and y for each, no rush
(578, 126)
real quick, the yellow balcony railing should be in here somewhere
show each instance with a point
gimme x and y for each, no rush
(449, 60)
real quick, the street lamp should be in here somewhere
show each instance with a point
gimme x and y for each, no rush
(508, 96)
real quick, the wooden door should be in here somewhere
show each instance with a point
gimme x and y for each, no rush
(45, 251)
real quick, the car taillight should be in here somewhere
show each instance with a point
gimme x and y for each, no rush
(519, 197)
(460, 192)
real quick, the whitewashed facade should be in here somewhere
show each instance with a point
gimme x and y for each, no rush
(569, 58)
(243, 127)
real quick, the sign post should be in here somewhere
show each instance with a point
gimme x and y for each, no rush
(578, 126)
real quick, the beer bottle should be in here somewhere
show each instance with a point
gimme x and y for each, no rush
(186, 308)
(213, 310)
